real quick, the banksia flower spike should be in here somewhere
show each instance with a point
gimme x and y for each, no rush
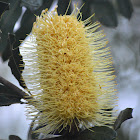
(70, 72)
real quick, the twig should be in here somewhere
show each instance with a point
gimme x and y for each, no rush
(14, 88)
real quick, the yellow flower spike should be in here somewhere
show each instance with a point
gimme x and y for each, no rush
(70, 73)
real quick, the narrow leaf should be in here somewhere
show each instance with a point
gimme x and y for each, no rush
(123, 116)
(86, 9)
(3, 7)
(8, 97)
(9, 93)
(105, 13)
(15, 59)
(8, 21)
(13, 137)
(62, 7)
(98, 133)
(125, 8)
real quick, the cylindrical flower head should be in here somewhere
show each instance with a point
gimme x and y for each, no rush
(70, 72)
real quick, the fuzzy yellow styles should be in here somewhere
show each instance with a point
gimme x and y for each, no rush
(70, 73)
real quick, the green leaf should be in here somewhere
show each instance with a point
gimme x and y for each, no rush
(10, 94)
(123, 116)
(125, 8)
(98, 133)
(13, 137)
(8, 97)
(8, 21)
(3, 7)
(15, 59)
(86, 9)
(62, 7)
(105, 12)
